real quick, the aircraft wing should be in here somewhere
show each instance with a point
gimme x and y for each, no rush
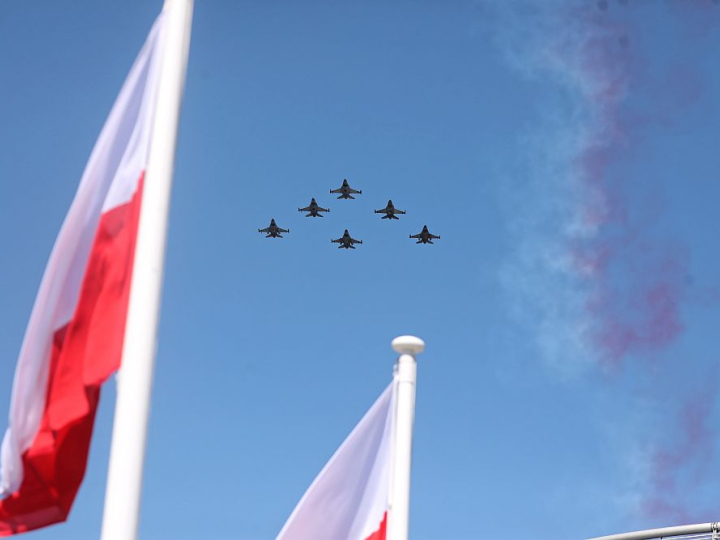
(306, 209)
(351, 190)
(265, 230)
(400, 212)
(321, 209)
(338, 241)
(282, 230)
(431, 236)
(353, 241)
(416, 235)
(339, 190)
(383, 211)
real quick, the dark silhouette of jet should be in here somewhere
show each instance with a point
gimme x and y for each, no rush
(346, 241)
(424, 236)
(314, 209)
(390, 211)
(273, 231)
(346, 192)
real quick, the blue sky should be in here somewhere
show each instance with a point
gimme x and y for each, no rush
(568, 156)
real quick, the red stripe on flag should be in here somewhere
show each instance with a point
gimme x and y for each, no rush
(381, 532)
(85, 353)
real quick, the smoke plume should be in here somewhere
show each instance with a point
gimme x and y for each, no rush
(595, 274)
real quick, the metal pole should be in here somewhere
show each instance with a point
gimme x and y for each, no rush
(405, 378)
(664, 532)
(132, 408)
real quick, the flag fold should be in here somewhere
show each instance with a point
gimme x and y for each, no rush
(74, 338)
(349, 499)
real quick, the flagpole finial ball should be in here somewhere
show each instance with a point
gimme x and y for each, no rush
(408, 345)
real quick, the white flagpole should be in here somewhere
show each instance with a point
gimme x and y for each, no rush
(405, 378)
(132, 408)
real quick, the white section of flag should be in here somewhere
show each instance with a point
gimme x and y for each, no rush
(110, 179)
(349, 498)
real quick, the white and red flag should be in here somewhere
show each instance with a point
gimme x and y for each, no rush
(74, 339)
(350, 498)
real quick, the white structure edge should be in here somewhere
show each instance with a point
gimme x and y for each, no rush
(665, 532)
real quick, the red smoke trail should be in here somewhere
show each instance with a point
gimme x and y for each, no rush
(636, 282)
(615, 290)
(694, 447)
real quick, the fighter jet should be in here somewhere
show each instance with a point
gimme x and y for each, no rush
(314, 209)
(390, 211)
(346, 241)
(345, 190)
(424, 236)
(273, 231)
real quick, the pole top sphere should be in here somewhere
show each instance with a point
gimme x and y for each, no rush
(408, 345)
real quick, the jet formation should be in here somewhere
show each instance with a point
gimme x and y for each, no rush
(314, 209)
(424, 236)
(273, 231)
(390, 212)
(346, 241)
(345, 191)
